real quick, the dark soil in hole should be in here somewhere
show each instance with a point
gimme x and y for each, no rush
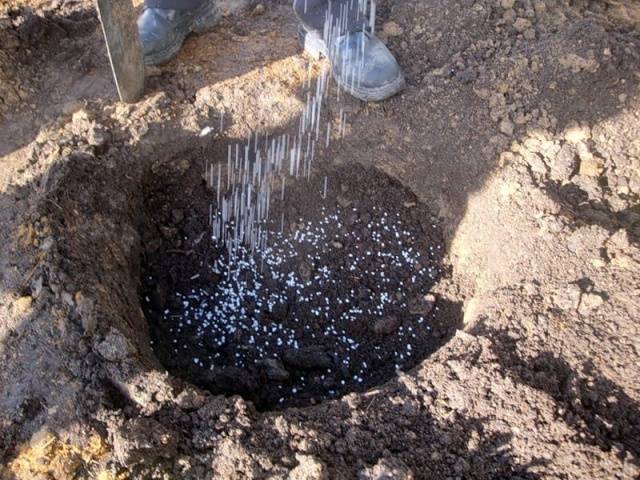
(338, 302)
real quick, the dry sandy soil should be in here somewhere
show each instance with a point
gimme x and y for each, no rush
(519, 131)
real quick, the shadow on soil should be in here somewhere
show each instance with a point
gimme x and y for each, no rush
(65, 49)
(60, 53)
(597, 409)
(579, 208)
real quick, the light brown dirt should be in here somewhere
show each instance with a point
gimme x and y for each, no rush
(519, 127)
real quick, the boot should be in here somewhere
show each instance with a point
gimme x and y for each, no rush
(162, 31)
(361, 64)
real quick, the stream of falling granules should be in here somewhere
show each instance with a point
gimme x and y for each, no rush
(308, 288)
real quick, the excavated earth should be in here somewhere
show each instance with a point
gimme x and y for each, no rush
(512, 160)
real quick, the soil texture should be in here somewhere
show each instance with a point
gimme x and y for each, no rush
(517, 137)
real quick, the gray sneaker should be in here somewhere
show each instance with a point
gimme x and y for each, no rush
(361, 64)
(162, 31)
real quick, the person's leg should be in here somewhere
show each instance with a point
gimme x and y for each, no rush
(173, 4)
(361, 64)
(164, 25)
(312, 13)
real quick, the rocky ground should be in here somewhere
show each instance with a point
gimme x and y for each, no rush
(519, 129)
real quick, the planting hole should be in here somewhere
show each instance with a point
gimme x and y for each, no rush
(339, 300)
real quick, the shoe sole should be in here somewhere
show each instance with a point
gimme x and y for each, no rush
(315, 46)
(203, 21)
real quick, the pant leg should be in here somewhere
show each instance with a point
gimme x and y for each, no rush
(312, 13)
(173, 4)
